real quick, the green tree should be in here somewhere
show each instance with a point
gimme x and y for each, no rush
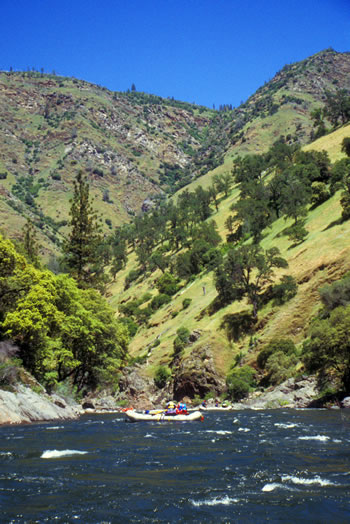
(327, 350)
(296, 194)
(30, 243)
(246, 272)
(239, 382)
(61, 331)
(320, 193)
(252, 209)
(345, 146)
(317, 116)
(337, 107)
(80, 248)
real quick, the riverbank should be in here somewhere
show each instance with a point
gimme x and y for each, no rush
(25, 406)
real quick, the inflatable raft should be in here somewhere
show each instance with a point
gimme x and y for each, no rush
(136, 416)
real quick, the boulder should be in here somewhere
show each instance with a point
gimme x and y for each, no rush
(196, 375)
(295, 393)
(345, 403)
(25, 405)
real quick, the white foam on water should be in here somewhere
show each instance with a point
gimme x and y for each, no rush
(226, 500)
(285, 426)
(219, 432)
(244, 429)
(271, 487)
(307, 482)
(55, 427)
(321, 438)
(6, 453)
(276, 485)
(54, 453)
(235, 420)
(149, 435)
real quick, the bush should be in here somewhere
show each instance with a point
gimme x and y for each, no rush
(186, 303)
(131, 277)
(280, 366)
(297, 233)
(285, 290)
(162, 376)
(327, 351)
(345, 146)
(336, 294)
(284, 345)
(167, 284)
(181, 340)
(130, 324)
(320, 193)
(159, 300)
(240, 382)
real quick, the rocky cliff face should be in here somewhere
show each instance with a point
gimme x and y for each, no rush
(132, 146)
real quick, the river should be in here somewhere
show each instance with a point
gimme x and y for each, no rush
(240, 467)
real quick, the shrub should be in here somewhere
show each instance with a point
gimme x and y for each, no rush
(320, 193)
(240, 382)
(345, 146)
(159, 300)
(284, 345)
(280, 366)
(167, 284)
(186, 303)
(181, 340)
(130, 324)
(297, 232)
(285, 290)
(131, 277)
(336, 294)
(162, 376)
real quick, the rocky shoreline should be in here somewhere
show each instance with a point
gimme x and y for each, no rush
(25, 406)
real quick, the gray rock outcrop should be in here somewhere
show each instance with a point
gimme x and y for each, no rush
(293, 393)
(25, 406)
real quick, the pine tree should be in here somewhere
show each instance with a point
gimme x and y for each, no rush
(81, 247)
(30, 243)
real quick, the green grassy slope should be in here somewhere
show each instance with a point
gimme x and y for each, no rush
(323, 257)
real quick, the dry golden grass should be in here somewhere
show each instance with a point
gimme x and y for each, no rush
(331, 143)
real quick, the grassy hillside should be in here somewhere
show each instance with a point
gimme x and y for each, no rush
(322, 258)
(134, 146)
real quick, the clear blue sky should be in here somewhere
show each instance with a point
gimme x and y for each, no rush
(203, 51)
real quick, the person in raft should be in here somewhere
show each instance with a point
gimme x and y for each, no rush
(170, 408)
(181, 409)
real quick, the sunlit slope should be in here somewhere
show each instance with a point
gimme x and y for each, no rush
(331, 143)
(323, 257)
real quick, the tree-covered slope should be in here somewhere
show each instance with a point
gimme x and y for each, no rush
(223, 333)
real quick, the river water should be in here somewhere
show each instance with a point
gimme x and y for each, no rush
(242, 466)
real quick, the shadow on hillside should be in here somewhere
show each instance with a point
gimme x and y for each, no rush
(296, 244)
(334, 223)
(239, 324)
